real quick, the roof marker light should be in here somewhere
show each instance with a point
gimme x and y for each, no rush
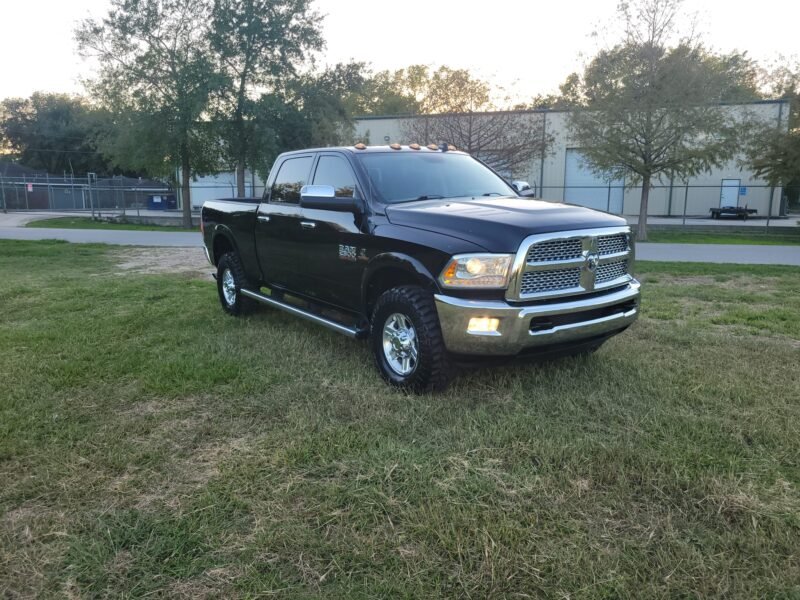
(360, 146)
(432, 147)
(395, 146)
(414, 146)
(451, 148)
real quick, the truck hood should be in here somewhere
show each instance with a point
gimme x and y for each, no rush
(497, 224)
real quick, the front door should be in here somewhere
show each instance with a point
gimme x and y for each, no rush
(333, 240)
(729, 193)
(278, 229)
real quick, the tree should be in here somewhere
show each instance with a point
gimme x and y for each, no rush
(652, 109)
(158, 72)
(454, 107)
(506, 141)
(774, 153)
(419, 90)
(385, 93)
(53, 132)
(256, 43)
(326, 102)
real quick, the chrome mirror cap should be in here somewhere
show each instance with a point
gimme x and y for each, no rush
(317, 191)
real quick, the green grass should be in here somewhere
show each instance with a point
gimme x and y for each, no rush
(89, 223)
(152, 446)
(749, 238)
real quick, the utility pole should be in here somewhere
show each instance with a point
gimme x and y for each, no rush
(3, 194)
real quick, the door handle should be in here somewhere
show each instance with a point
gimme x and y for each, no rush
(307, 224)
(263, 218)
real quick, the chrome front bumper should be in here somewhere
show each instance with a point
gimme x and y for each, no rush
(515, 332)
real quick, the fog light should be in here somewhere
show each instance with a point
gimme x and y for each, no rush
(483, 325)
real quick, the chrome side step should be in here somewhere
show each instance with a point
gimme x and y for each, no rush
(299, 312)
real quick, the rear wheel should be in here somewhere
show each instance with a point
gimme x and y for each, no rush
(230, 281)
(407, 341)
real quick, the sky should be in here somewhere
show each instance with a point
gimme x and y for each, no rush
(524, 46)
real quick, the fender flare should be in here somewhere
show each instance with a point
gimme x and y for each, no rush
(396, 260)
(224, 231)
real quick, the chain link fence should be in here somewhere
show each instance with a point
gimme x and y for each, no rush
(43, 192)
(727, 203)
(118, 195)
(676, 204)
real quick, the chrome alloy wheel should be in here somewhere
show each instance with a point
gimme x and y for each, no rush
(229, 287)
(400, 345)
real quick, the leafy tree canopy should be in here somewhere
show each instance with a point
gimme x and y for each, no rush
(650, 107)
(53, 132)
(257, 45)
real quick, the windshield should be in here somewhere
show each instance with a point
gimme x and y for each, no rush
(407, 176)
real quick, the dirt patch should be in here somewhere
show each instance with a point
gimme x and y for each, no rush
(189, 261)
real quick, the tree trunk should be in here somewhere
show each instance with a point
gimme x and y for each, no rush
(641, 231)
(186, 197)
(240, 179)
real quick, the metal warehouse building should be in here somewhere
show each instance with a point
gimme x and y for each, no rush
(563, 174)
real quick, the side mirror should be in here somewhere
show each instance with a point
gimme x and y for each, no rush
(323, 197)
(523, 188)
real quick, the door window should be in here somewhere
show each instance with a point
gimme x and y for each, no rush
(334, 170)
(292, 176)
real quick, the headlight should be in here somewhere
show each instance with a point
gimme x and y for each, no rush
(477, 271)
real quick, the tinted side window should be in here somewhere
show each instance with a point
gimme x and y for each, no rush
(292, 176)
(333, 170)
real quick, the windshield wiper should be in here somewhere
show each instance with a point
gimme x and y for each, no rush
(493, 194)
(423, 197)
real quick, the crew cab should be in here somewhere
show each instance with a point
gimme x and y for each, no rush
(426, 252)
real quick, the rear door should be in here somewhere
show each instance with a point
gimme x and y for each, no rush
(333, 241)
(278, 230)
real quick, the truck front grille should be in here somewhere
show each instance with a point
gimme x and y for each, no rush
(612, 244)
(571, 263)
(555, 250)
(534, 282)
(611, 271)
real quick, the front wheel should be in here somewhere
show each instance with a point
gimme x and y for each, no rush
(407, 341)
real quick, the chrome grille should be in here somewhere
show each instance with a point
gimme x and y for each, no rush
(564, 249)
(547, 281)
(611, 271)
(611, 244)
(570, 263)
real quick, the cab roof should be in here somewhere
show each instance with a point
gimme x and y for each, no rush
(362, 148)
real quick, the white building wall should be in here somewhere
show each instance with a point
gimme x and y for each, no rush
(549, 175)
(221, 185)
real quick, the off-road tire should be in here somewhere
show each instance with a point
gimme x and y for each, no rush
(433, 369)
(241, 305)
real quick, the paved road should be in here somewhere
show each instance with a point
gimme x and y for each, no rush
(104, 236)
(741, 254)
(713, 253)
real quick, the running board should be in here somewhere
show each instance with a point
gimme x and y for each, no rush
(299, 312)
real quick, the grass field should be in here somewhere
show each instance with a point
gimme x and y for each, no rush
(89, 223)
(749, 238)
(152, 446)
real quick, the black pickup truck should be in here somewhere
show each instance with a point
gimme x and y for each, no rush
(428, 253)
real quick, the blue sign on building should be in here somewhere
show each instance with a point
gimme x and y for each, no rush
(743, 190)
